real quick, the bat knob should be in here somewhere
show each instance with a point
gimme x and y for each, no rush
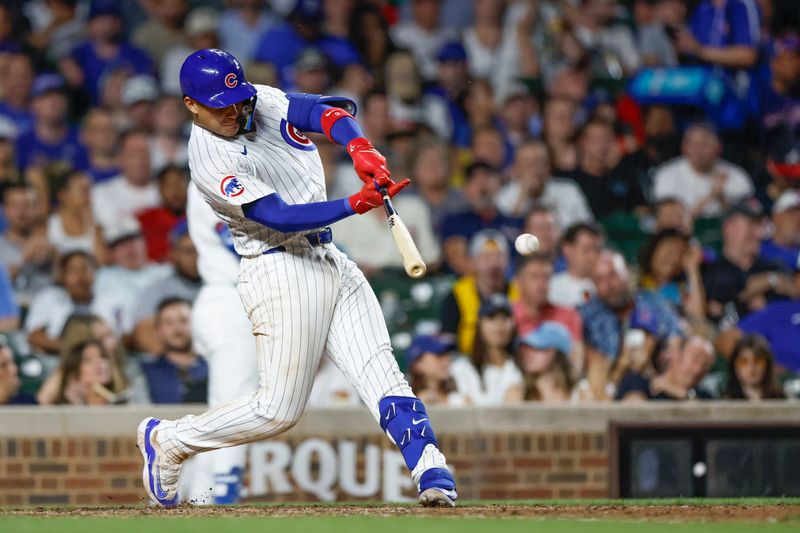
(416, 270)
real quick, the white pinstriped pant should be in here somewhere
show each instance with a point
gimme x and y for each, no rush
(301, 303)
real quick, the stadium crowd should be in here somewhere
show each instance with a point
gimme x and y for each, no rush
(651, 146)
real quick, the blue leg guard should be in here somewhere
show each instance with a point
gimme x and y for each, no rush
(405, 420)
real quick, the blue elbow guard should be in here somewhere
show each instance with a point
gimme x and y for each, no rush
(301, 105)
(406, 422)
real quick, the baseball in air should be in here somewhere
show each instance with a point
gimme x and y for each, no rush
(526, 244)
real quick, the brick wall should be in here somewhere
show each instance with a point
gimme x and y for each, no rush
(88, 456)
(107, 469)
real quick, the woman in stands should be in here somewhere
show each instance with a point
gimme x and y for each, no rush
(751, 373)
(543, 357)
(492, 353)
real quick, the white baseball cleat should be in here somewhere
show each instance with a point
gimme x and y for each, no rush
(159, 474)
(437, 498)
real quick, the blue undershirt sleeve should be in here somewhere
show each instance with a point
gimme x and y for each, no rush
(273, 212)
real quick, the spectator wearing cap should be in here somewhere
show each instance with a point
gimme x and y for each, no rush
(133, 189)
(201, 32)
(580, 248)
(100, 137)
(178, 374)
(423, 35)
(128, 272)
(779, 107)
(442, 99)
(24, 248)
(493, 352)
(281, 45)
(489, 253)
(71, 225)
(532, 184)
(15, 93)
(139, 94)
(533, 276)
(481, 187)
(182, 282)
(311, 72)
(605, 191)
(74, 293)
(104, 49)
(704, 182)
(543, 357)
(783, 245)
(158, 222)
(163, 29)
(438, 375)
(724, 33)
(740, 281)
(608, 314)
(51, 138)
(241, 25)
(678, 381)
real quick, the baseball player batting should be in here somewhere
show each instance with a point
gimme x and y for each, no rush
(263, 177)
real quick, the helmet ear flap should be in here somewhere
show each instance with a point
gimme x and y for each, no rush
(246, 123)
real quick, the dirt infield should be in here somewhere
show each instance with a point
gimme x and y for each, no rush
(666, 513)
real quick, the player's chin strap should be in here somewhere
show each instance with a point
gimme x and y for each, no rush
(246, 123)
(406, 422)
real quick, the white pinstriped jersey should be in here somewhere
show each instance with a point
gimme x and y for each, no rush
(216, 261)
(276, 158)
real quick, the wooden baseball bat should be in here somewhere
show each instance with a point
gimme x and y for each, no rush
(412, 260)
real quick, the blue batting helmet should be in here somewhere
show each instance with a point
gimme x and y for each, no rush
(215, 79)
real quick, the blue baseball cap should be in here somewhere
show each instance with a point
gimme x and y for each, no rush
(496, 303)
(45, 83)
(99, 8)
(549, 335)
(215, 78)
(436, 344)
(452, 51)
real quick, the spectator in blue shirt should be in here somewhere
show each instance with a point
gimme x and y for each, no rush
(481, 186)
(722, 32)
(105, 49)
(15, 90)
(178, 375)
(281, 45)
(51, 138)
(607, 315)
(779, 323)
(784, 244)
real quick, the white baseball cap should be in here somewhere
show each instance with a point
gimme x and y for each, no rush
(139, 88)
(787, 200)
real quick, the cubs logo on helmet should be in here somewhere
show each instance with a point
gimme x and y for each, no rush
(295, 137)
(231, 81)
(230, 187)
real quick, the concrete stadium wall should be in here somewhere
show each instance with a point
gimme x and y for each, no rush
(72, 455)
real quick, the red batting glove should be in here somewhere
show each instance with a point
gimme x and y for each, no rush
(370, 198)
(368, 162)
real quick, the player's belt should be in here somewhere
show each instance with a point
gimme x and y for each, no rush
(315, 239)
